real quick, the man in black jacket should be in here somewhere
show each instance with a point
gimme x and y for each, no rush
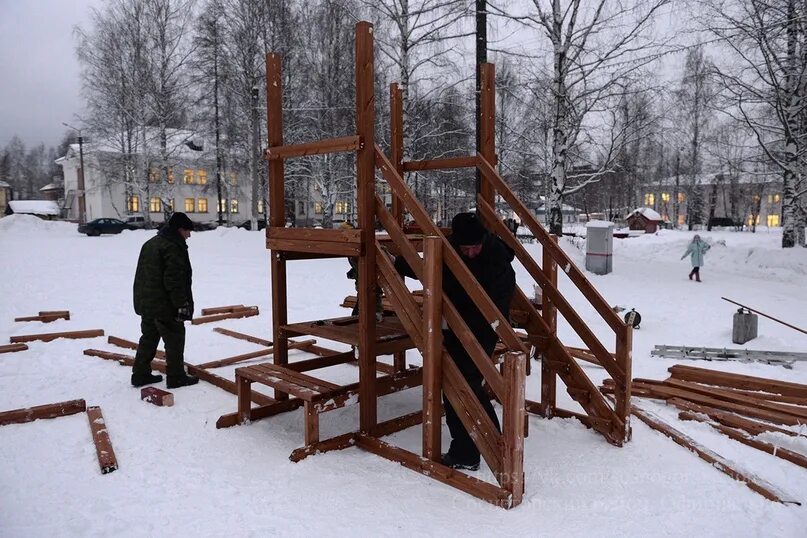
(164, 301)
(488, 258)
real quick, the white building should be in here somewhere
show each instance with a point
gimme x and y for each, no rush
(187, 184)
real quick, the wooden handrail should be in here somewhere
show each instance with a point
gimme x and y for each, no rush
(603, 355)
(320, 147)
(486, 367)
(575, 274)
(460, 271)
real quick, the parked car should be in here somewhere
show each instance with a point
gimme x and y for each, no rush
(104, 226)
(139, 222)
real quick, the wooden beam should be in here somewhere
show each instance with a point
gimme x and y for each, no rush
(739, 381)
(319, 147)
(396, 144)
(242, 336)
(339, 442)
(260, 412)
(128, 344)
(730, 419)
(333, 248)
(12, 348)
(100, 436)
(513, 421)
(365, 178)
(222, 309)
(769, 491)
(473, 486)
(549, 378)
(487, 125)
(46, 316)
(123, 360)
(245, 313)
(433, 352)
(47, 337)
(29, 414)
(253, 355)
(322, 362)
(465, 161)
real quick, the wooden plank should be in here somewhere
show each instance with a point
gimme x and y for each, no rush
(158, 397)
(64, 313)
(311, 424)
(319, 147)
(334, 248)
(768, 396)
(246, 313)
(396, 144)
(100, 436)
(487, 125)
(446, 163)
(513, 420)
(741, 437)
(433, 347)
(277, 207)
(29, 414)
(452, 477)
(473, 416)
(346, 440)
(254, 354)
(242, 336)
(12, 348)
(44, 318)
(717, 461)
(730, 419)
(365, 178)
(124, 360)
(322, 362)
(316, 235)
(300, 378)
(222, 309)
(272, 380)
(739, 381)
(388, 427)
(549, 378)
(225, 384)
(564, 262)
(622, 394)
(257, 413)
(47, 337)
(128, 344)
(244, 390)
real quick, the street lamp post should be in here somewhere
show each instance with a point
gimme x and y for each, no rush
(80, 187)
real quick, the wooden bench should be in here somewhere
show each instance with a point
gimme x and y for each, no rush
(318, 395)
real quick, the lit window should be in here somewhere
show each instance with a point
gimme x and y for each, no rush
(233, 179)
(233, 206)
(317, 208)
(154, 204)
(190, 203)
(342, 207)
(153, 175)
(201, 205)
(774, 198)
(170, 175)
(681, 198)
(223, 205)
(649, 199)
(260, 207)
(133, 204)
(665, 196)
(188, 177)
(202, 174)
(773, 220)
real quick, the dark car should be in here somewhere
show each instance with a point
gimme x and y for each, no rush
(104, 226)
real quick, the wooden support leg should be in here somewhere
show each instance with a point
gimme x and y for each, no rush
(515, 367)
(433, 352)
(244, 393)
(399, 361)
(311, 424)
(550, 315)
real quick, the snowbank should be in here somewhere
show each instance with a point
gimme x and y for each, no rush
(21, 223)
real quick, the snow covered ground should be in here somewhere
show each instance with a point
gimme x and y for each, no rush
(180, 476)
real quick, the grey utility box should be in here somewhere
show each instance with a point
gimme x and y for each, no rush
(745, 326)
(599, 246)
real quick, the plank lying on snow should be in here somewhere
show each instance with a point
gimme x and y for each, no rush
(29, 414)
(755, 483)
(47, 337)
(738, 381)
(12, 348)
(100, 436)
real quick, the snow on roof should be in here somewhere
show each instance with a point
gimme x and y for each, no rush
(34, 207)
(180, 144)
(599, 224)
(648, 213)
(4, 185)
(50, 187)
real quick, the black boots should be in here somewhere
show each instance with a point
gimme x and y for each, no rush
(450, 461)
(174, 382)
(148, 379)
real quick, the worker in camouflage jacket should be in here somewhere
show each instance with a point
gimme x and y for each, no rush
(164, 301)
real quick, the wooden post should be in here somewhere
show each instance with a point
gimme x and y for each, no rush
(487, 124)
(396, 143)
(550, 315)
(277, 208)
(244, 393)
(365, 175)
(622, 393)
(515, 375)
(433, 348)
(100, 435)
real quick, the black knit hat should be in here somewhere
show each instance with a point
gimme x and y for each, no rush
(467, 230)
(180, 220)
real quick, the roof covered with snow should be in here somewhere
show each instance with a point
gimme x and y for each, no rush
(648, 213)
(4, 185)
(181, 144)
(34, 207)
(50, 187)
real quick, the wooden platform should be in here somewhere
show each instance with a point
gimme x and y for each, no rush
(391, 337)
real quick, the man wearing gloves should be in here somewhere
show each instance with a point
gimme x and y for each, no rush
(164, 301)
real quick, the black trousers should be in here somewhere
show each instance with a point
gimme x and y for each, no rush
(172, 333)
(462, 446)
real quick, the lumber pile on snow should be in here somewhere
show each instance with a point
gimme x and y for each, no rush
(46, 316)
(225, 312)
(738, 406)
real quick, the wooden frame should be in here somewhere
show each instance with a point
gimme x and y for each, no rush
(30, 414)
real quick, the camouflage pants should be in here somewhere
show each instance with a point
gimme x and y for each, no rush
(172, 333)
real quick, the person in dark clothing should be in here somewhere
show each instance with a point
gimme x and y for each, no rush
(164, 301)
(489, 260)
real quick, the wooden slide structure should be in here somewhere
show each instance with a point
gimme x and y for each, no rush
(417, 324)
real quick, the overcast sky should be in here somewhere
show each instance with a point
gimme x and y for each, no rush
(39, 71)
